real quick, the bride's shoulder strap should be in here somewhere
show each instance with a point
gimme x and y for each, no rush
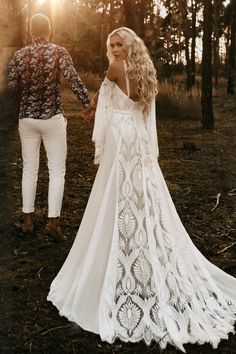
(126, 79)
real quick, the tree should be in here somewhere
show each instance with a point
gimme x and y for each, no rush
(138, 14)
(129, 12)
(231, 22)
(193, 43)
(187, 35)
(16, 6)
(218, 10)
(206, 99)
(182, 30)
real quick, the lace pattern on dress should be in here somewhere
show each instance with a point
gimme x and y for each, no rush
(150, 287)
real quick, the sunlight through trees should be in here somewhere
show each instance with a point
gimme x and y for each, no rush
(173, 31)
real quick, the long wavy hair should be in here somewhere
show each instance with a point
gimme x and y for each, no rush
(140, 67)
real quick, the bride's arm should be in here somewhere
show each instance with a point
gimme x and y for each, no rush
(113, 74)
(102, 116)
(114, 71)
(89, 112)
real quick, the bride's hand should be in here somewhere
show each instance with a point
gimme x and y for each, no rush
(88, 114)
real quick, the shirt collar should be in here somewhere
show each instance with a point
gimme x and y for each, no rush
(40, 40)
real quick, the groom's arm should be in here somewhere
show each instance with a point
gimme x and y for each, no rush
(13, 74)
(68, 70)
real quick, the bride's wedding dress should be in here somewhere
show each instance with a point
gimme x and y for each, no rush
(133, 271)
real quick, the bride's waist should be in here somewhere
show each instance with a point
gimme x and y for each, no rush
(122, 111)
(122, 117)
(133, 114)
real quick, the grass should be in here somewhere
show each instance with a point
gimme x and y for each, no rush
(174, 101)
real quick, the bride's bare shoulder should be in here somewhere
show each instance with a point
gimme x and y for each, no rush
(115, 70)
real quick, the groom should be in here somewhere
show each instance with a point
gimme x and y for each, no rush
(34, 76)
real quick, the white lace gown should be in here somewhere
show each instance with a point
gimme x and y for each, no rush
(133, 271)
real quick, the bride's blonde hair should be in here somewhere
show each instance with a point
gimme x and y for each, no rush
(140, 67)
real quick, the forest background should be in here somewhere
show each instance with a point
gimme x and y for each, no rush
(190, 42)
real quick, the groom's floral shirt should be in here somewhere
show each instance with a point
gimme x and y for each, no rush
(34, 76)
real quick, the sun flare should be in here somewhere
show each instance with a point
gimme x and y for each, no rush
(40, 2)
(53, 2)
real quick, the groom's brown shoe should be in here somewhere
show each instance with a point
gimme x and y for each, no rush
(27, 224)
(53, 230)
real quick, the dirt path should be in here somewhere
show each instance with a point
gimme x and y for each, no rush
(197, 166)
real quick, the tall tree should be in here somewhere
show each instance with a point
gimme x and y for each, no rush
(138, 15)
(232, 48)
(171, 33)
(16, 6)
(129, 12)
(187, 35)
(183, 28)
(218, 9)
(193, 42)
(207, 106)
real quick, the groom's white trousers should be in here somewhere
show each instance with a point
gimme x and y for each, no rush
(53, 134)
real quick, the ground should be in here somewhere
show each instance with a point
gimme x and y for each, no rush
(197, 165)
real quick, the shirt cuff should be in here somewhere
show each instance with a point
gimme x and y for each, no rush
(86, 104)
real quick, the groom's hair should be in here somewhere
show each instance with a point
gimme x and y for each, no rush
(39, 25)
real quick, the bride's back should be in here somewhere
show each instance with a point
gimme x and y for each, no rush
(118, 75)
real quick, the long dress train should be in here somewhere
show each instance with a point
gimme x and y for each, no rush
(133, 271)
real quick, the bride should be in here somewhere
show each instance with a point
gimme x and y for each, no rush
(133, 272)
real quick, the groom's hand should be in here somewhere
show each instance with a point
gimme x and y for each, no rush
(88, 114)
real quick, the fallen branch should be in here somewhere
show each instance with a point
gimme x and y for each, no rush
(54, 329)
(227, 234)
(186, 160)
(40, 270)
(232, 192)
(217, 202)
(226, 248)
(187, 191)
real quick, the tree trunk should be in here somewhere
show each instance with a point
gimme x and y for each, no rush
(129, 11)
(27, 36)
(216, 46)
(186, 32)
(142, 15)
(216, 61)
(227, 41)
(232, 51)
(193, 44)
(207, 107)
(111, 17)
(17, 7)
(188, 63)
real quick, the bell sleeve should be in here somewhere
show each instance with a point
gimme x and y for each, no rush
(102, 117)
(152, 129)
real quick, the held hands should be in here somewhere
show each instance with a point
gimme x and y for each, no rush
(88, 114)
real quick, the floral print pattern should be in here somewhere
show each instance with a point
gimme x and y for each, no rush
(34, 76)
